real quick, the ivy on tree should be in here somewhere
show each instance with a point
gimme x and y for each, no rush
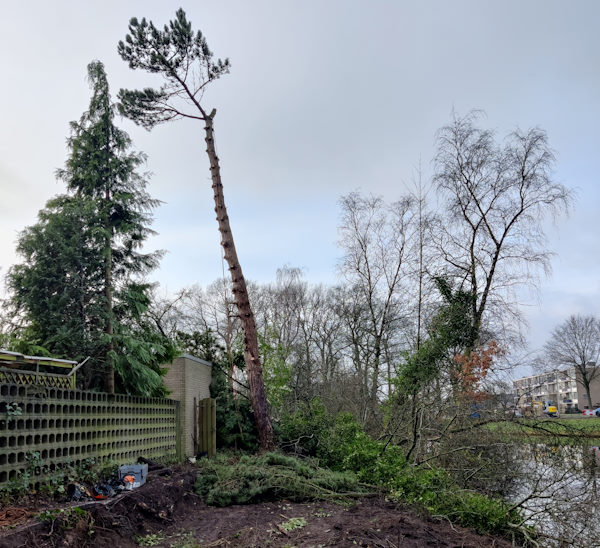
(81, 289)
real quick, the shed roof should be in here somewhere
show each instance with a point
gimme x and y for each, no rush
(18, 360)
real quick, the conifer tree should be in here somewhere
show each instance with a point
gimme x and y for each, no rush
(185, 62)
(81, 289)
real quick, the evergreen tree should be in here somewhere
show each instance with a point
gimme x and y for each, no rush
(80, 290)
(185, 62)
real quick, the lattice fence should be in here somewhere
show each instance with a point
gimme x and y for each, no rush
(66, 427)
(16, 376)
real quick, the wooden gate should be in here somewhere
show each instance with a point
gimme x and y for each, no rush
(205, 427)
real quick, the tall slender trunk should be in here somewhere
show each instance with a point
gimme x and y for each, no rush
(108, 260)
(375, 376)
(258, 396)
(421, 246)
(108, 296)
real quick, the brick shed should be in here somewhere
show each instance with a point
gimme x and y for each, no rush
(187, 378)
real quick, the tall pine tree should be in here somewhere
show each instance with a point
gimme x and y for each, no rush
(185, 62)
(80, 289)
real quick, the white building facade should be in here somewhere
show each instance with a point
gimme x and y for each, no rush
(558, 386)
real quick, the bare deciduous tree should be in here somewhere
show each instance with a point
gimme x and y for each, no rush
(497, 196)
(423, 257)
(576, 344)
(374, 238)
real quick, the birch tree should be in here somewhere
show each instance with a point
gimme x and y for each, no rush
(497, 196)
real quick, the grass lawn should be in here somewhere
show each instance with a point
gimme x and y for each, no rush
(568, 428)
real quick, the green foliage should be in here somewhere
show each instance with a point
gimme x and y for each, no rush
(306, 429)
(222, 481)
(420, 367)
(434, 491)
(185, 539)
(347, 446)
(13, 409)
(53, 483)
(70, 516)
(292, 524)
(236, 428)
(65, 519)
(351, 449)
(138, 352)
(58, 286)
(202, 344)
(343, 445)
(151, 539)
(276, 372)
(19, 338)
(178, 54)
(340, 444)
(79, 290)
(21, 485)
(555, 429)
(451, 331)
(454, 324)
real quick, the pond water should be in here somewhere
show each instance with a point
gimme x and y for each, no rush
(558, 489)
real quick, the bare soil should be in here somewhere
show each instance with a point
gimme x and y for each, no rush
(167, 513)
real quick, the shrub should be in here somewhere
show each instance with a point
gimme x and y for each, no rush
(343, 445)
(306, 430)
(434, 491)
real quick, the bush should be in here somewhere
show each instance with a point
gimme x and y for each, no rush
(434, 490)
(305, 431)
(343, 445)
(339, 443)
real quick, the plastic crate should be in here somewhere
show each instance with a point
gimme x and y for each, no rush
(138, 471)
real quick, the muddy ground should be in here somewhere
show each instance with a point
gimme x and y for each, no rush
(167, 513)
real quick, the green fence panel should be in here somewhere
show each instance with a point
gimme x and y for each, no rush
(69, 427)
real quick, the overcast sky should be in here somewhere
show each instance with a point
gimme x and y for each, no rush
(324, 97)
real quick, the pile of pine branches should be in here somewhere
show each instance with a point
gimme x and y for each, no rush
(223, 481)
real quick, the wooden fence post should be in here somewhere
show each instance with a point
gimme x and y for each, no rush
(179, 450)
(213, 428)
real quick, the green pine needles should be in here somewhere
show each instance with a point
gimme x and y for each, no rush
(223, 481)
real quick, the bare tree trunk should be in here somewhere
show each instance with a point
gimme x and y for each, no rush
(258, 396)
(421, 245)
(588, 394)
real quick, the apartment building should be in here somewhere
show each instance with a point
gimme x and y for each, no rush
(559, 386)
(563, 387)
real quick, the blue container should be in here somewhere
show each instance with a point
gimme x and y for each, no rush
(138, 471)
